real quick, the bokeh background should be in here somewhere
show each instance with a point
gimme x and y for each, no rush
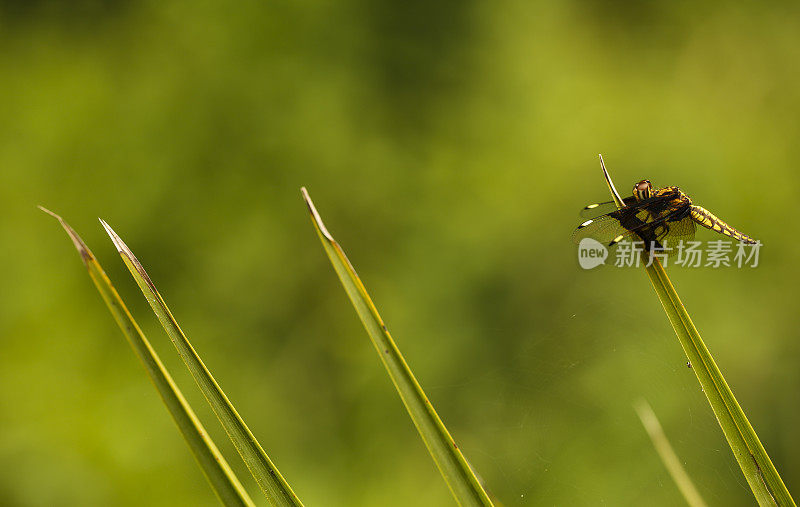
(449, 146)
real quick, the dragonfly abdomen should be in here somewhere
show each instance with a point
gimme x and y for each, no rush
(707, 219)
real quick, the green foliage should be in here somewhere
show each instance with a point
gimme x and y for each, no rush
(443, 449)
(264, 471)
(453, 144)
(225, 483)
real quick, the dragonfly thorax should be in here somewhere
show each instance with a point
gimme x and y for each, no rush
(675, 195)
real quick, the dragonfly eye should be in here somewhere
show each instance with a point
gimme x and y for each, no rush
(642, 190)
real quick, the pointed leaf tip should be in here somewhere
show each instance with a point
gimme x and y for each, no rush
(315, 215)
(118, 243)
(48, 211)
(86, 254)
(614, 194)
(126, 252)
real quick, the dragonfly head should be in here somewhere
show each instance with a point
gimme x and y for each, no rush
(642, 190)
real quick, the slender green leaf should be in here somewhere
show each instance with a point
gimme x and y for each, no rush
(219, 474)
(453, 466)
(267, 476)
(668, 456)
(761, 475)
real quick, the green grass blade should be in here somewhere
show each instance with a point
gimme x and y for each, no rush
(267, 476)
(219, 474)
(453, 466)
(760, 473)
(668, 456)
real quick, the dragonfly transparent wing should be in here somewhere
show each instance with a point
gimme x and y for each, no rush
(634, 224)
(602, 208)
(604, 229)
(682, 230)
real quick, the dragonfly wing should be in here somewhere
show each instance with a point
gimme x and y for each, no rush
(603, 208)
(604, 229)
(672, 234)
(682, 230)
(647, 226)
(635, 221)
(616, 226)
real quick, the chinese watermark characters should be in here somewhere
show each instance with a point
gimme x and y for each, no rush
(690, 254)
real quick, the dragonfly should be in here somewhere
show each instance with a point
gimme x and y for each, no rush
(659, 217)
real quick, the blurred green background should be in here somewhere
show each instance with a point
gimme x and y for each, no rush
(449, 146)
